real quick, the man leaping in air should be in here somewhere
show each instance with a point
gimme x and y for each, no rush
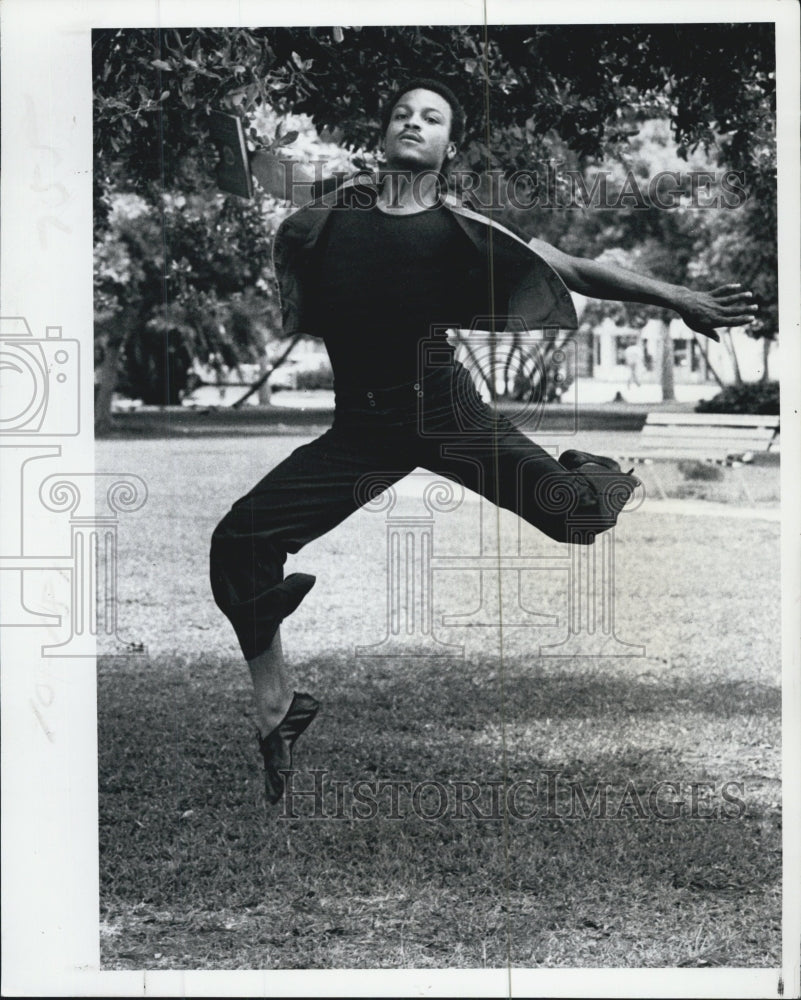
(371, 267)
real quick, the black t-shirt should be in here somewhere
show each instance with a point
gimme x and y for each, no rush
(381, 283)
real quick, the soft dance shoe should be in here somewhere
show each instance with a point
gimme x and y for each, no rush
(615, 490)
(573, 460)
(276, 746)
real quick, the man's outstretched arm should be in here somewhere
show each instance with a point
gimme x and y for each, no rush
(701, 311)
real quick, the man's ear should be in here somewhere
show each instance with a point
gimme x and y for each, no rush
(450, 152)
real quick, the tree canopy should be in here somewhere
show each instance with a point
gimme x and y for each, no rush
(198, 269)
(586, 84)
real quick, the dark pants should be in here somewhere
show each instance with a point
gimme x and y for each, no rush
(376, 439)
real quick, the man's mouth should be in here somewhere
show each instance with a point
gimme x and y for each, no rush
(412, 136)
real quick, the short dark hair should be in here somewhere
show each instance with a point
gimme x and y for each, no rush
(444, 91)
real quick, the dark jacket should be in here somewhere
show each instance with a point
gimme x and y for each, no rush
(537, 296)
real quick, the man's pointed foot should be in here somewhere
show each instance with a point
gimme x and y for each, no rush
(573, 460)
(276, 746)
(615, 487)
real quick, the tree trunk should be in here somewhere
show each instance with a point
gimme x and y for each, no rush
(666, 362)
(707, 362)
(265, 392)
(106, 381)
(729, 342)
(514, 349)
(267, 372)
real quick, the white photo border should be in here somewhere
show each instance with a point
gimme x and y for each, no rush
(49, 754)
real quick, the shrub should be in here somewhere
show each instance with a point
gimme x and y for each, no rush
(751, 397)
(701, 471)
(316, 378)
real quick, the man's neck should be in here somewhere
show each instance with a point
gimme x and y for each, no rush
(404, 192)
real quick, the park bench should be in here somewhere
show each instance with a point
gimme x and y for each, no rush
(728, 439)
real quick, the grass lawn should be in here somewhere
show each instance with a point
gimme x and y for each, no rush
(197, 872)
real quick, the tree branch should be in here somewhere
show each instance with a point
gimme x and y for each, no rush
(263, 378)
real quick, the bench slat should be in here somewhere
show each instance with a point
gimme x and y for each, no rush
(721, 436)
(713, 420)
(710, 437)
(732, 444)
(679, 454)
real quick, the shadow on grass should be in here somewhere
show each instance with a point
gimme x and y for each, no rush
(582, 688)
(197, 870)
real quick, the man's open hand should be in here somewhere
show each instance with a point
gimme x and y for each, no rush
(724, 306)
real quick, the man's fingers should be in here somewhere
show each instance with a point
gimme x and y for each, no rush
(732, 309)
(732, 313)
(727, 319)
(736, 287)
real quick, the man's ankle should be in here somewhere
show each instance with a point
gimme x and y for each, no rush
(272, 712)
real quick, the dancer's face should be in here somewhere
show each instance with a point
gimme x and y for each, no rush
(418, 136)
